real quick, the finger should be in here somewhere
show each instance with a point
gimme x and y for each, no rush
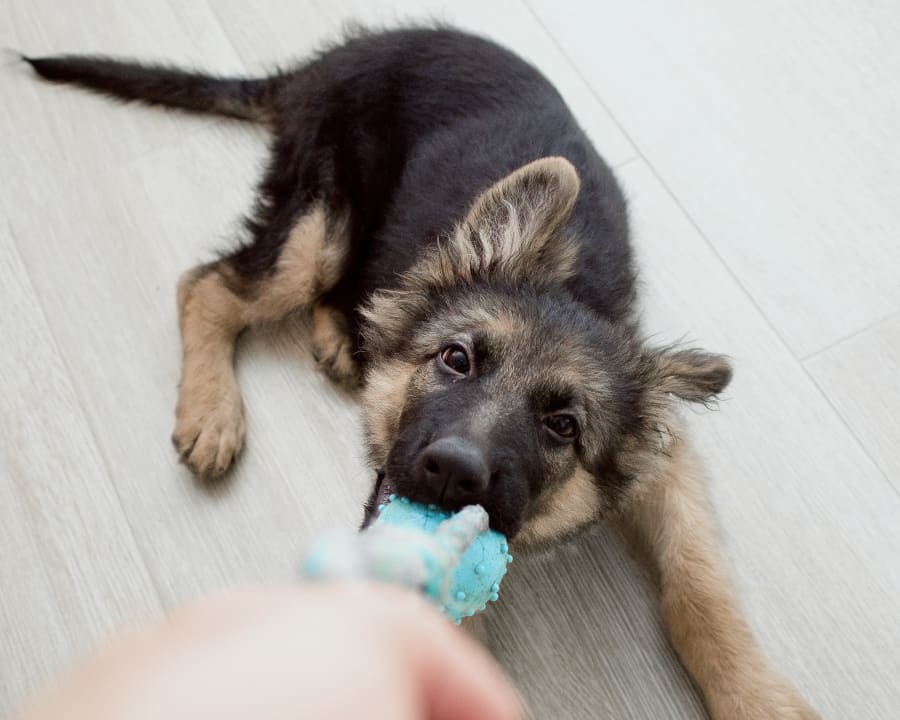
(457, 677)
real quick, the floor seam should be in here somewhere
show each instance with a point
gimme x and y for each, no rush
(226, 34)
(857, 440)
(87, 420)
(659, 179)
(856, 333)
(689, 217)
(629, 161)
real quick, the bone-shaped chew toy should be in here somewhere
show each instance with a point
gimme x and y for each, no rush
(454, 559)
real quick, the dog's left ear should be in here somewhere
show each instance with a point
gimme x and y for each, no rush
(524, 210)
(513, 229)
(512, 232)
(692, 375)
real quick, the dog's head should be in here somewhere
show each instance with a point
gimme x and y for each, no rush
(490, 383)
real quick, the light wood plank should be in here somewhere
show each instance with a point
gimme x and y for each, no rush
(274, 31)
(37, 639)
(809, 523)
(774, 124)
(578, 630)
(58, 137)
(70, 568)
(859, 376)
(105, 261)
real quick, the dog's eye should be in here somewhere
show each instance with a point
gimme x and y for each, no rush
(563, 425)
(456, 359)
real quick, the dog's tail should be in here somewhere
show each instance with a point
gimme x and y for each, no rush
(248, 99)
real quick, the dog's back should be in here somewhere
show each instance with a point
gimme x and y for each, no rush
(406, 127)
(421, 121)
(437, 116)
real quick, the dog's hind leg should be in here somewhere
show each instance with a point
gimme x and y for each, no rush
(260, 283)
(333, 346)
(671, 516)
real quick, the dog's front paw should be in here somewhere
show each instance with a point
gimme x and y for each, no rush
(778, 701)
(209, 428)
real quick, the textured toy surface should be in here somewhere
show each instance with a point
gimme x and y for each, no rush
(452, 558)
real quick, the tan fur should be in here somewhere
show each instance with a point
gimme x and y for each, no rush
(209, 426)
(689, 374)
(544, 191)
(332, 347)
(498, 323)
(383, 399)
(209, 429)
(670, 513)
(310, 263)
(509, 228)
(573, 505)
(505, 326)
(387, 311)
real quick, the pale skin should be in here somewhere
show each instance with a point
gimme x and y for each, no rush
(326, 652)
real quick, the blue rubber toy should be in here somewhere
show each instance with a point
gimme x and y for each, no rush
(451, 558)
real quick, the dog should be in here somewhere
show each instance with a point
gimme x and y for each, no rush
(464, 253)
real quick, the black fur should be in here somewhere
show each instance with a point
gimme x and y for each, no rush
(405, 127)
(159, 85)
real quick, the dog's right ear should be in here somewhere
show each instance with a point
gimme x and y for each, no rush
(513, 230)
(692, 375)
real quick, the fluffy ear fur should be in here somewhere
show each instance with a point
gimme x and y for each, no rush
(511, 231)
(692, 375)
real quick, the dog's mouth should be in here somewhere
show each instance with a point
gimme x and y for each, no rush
(381, 494)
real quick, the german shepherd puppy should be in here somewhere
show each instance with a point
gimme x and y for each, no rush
(465, 255)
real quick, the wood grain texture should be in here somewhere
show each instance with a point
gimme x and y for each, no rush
(70, 569)
(55, 134)
(774, 124)
(300, 471)
(579, 632)
(108, 206)
(273, 31)
(808, 520)
(859, 376)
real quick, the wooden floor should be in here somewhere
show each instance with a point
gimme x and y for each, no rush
(758, 145)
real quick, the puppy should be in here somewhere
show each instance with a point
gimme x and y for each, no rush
(464, 253)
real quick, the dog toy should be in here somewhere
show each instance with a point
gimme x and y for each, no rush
(451, 558)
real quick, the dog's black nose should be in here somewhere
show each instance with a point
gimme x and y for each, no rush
(453, 472)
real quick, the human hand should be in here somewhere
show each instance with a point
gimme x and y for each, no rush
(324, 652)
